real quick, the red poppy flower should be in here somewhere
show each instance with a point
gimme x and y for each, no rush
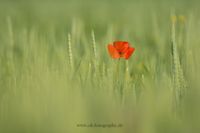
(120, 49)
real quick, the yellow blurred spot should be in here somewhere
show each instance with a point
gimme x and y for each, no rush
(182, 18)
(173, 19)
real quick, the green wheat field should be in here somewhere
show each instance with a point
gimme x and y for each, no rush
(56, 75)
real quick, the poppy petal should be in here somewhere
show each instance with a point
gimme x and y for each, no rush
(129, 52)
(121, 46)
(113, 52)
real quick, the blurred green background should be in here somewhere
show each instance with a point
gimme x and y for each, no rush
(55, 71)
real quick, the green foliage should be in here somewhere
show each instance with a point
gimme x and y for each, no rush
(55, 71)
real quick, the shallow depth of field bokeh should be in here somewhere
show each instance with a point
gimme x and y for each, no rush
(55, 71)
